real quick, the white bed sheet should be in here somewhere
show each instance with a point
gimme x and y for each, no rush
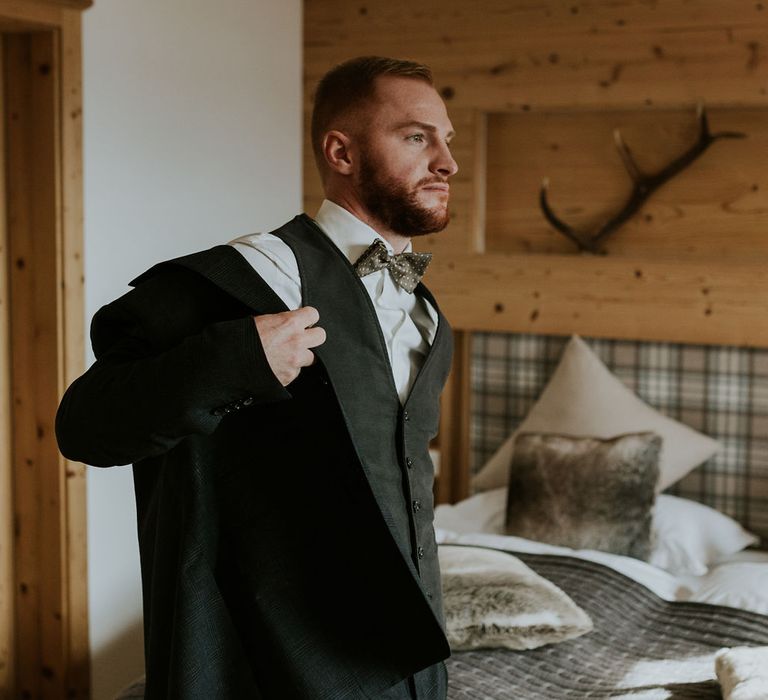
(740, 581)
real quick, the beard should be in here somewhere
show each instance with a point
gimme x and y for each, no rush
(396, 205)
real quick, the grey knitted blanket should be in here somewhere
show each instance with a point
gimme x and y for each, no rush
(642, 647)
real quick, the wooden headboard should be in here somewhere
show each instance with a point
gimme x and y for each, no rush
(535, 90)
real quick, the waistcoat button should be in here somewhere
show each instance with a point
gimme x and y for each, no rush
(409, 463)
(405, 416)
(420, 552)
(416, 506)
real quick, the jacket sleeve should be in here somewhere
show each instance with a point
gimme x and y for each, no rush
(136, 402)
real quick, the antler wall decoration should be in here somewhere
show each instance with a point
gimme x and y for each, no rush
(643, 185)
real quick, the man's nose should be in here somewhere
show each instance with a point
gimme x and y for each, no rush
(444, 164)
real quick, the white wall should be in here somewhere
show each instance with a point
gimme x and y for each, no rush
(192, 137)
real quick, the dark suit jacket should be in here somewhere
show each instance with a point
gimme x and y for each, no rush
(272, 565)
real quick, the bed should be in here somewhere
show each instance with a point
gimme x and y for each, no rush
(670, 589)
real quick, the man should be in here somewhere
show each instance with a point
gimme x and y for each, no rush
(276, 397)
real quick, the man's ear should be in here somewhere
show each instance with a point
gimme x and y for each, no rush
(336, 149)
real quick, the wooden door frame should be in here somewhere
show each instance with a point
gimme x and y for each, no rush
(44, 648)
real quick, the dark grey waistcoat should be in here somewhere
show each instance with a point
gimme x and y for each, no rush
(390, 439)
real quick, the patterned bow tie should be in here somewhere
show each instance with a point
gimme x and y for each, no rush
(406, 269)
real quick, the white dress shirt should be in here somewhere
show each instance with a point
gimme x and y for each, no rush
(408, 322)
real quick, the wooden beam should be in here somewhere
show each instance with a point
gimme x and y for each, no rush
(23, 15)
(44, 193)
(73, 4)
(453, 439)
(33, 190)
(7, 581)
(44, 648)
(666, 300)
(71, 310)
(506, 55)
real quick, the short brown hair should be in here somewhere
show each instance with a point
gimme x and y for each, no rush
(348, 85)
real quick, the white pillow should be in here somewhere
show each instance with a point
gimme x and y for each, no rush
(483, 512)
(492, 599)
(743, 586)
(584, 399)
(688, 537)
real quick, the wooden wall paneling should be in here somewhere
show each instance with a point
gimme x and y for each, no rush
(716, 207)
(33, 191)
(501, 54)
(452, 483)
(653, 299)
(72, 330)
(26, 15)
(44, 164)
(74, 4)
(7, 582)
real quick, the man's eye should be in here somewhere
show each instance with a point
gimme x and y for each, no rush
(416, 138)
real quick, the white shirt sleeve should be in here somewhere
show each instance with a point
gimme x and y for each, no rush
(275, 262)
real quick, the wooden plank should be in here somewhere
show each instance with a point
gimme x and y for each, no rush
(7, 585)
(653, 299)
(453, 438)
(71, 306)
(69, 4)
(523, 55)
(43, 124)
(16, 15)
(716, 208)
(33, 202)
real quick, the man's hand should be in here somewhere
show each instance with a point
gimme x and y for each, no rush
(286, 339)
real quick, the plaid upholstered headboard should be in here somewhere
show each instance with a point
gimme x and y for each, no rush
(719, 390)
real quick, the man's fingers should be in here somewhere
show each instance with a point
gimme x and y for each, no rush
(306, 316)
(306, 358)
(286, 338)
(314, 336)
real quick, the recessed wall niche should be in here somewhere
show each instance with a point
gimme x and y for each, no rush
(715, 208)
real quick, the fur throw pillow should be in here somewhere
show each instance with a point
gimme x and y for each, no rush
(584, 493)
(492, 599)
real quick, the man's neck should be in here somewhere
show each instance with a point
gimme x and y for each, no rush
(396, 240)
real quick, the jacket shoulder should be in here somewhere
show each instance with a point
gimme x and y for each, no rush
(169, 301)
(204, 262)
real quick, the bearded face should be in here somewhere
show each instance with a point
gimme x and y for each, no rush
(401, 206)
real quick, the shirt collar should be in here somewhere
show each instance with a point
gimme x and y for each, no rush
(350, 235)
